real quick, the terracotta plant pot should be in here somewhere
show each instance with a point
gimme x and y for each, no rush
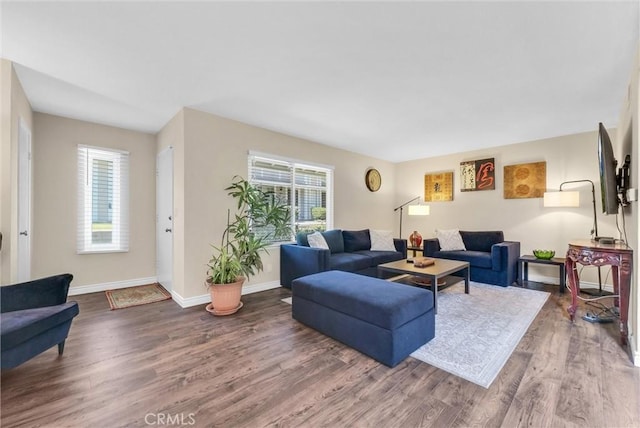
(225, 298)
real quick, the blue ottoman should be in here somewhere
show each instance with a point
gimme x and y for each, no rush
(384, 320)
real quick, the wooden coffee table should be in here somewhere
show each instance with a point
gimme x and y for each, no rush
(439, 269)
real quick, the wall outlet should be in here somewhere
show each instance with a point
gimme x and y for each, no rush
(632, 195)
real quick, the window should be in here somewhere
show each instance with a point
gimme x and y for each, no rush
(306, 188)
(103, 200)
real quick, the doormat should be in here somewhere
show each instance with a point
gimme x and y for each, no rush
(136, 296)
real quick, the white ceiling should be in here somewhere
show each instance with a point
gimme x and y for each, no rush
(395, 81)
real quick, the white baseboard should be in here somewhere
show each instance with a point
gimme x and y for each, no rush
(95, 288)
(183, 302)
(206, 298)
(263, 286)
(634, 351)
(555, 280)
(190, 301)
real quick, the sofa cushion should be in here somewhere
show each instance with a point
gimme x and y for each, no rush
(378, 257)
(334, 240)
(481, 241)
(20, 326)
(382, 240)
(356, 240)
(450, 240)
(301, 238)
(316, 240)
(350, 262)
(479, 259)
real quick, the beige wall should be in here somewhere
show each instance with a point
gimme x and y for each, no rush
(572, 157)
(13, 107)
(209, 150)
(216, 149)
(55, 200)
(627, 142)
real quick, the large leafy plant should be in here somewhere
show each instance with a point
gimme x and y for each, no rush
(260, 218)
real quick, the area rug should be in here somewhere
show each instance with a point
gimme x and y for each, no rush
(477, 332)
(136, 296)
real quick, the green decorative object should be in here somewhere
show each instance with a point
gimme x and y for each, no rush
(544, 254)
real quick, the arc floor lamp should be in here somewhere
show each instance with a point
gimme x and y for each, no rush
(417, 209)
(571, 199)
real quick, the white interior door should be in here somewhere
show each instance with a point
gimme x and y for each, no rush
(24, 202)
(164, 218)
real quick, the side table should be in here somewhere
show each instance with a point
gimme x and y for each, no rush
(523, 268)
(619, 257)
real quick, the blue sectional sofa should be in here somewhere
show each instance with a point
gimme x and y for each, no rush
(349, 251)
(492, 259)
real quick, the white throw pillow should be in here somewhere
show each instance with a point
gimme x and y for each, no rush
(382, 240)
(316, 240)
(450, 240)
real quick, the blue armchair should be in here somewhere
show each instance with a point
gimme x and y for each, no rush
(34, 316)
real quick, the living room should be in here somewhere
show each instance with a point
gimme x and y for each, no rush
(209, 149)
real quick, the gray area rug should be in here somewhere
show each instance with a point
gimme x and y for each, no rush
(477, 332)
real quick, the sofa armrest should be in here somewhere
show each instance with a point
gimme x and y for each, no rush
(430, 246)
(297, 260)
(39, 293)
(401, 246)
(505, 256)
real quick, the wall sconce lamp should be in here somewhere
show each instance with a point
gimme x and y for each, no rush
(413, 210)
(565, 199)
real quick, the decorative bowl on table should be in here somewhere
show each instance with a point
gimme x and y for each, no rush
(544, 254)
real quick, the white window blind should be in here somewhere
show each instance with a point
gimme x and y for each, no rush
(307, 189)
(103, 200)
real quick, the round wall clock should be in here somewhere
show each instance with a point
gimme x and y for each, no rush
(373, 180)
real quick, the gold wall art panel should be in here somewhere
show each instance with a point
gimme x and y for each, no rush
(526, 180)
(438, 187)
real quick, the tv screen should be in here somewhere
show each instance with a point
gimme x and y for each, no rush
(608, 180)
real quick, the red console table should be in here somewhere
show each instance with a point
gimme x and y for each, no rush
(619, 257)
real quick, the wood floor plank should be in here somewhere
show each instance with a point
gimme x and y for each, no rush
(488, 407)
(620, 393)
(260, 367)
(535, 399)
(581, 380)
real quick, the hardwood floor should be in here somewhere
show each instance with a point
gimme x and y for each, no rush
(160, 365)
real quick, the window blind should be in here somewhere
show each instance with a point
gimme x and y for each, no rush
(103, 200)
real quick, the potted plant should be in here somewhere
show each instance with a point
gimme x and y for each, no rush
(260, 218)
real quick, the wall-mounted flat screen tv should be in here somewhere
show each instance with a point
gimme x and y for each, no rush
(608, 178)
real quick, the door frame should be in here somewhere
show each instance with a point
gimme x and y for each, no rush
(25, 192)
(164, 277)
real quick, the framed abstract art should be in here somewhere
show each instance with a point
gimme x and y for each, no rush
(478, 175)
